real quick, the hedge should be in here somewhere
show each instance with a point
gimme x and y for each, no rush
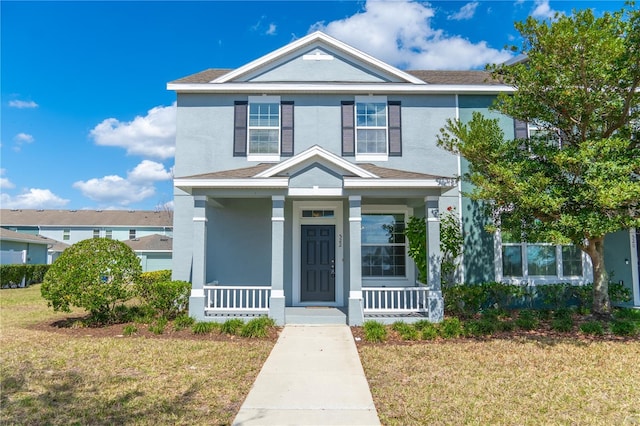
(13, 275)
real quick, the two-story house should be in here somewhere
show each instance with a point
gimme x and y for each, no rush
(296, 174)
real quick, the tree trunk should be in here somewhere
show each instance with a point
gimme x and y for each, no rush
(601, 302)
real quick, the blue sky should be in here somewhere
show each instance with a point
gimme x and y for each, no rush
(87, 122)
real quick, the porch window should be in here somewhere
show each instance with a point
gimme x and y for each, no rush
(383, 245)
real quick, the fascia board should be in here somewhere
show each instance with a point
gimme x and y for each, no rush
(393, 183)
(315, 37)
(385, 88)
(232, 183)
(309, 154)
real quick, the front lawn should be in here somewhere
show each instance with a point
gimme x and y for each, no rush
(83, 377)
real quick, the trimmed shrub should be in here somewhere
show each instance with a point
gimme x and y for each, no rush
(204, 327)
(527, 320)
(167, 298)
(374, 331)
(429, 331)
(480, 327)
(623, 327)
(158, 326)
(11, 275)
(183, 321)
(626, 313)
(406, 331)
(153, 277)
(97, 274)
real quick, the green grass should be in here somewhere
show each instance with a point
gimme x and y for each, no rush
(54, 379)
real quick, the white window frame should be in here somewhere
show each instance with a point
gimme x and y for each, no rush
(263, 156)
(409, 279)
(559, 277)
(382, 156)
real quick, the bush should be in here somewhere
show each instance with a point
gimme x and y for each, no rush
(626, 313)
(232, 326)
(183, 321)
(153, 277)
(95, 274)
(204, 327)
(592, 327)
(374, 331)
(158, 326)
(11, 275)
(562, 324)
(623, 327)
(38, 273)
(406, 331)
(129, 329)
(429, 331)
(257, 327)
(451, 328)
(481, 327)
(527, 320)
(167, 298)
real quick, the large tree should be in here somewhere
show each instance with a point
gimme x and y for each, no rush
(577, 178)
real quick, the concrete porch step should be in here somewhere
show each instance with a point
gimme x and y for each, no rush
(315, 315)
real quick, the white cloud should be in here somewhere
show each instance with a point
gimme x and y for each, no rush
(114, 189)
(400, 34)
(5, 183)
(466, 12)
(272, 29)
(22, 104)
(150, 136)
(33, 198)
(21, 138)
(543, 10)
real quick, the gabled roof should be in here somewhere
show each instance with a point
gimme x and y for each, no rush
(153, 242)
(98, 218)
(268, 175)
(20, 237)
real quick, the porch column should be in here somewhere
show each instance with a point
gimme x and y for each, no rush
(356, 315)
(434, 258)
(276, 302)
(199, 257)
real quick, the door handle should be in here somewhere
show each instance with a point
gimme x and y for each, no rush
(333, 268)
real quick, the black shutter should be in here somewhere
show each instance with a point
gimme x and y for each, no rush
(240, 129)
(395, 131)
(520, 129)
(286, 129)
(348, 130)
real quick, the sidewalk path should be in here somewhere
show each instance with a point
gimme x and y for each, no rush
(313, 376)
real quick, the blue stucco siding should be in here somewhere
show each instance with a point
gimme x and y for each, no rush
(618, 259)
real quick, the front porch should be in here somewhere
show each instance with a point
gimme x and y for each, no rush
(383, 304)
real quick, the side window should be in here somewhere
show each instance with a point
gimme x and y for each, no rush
(132, 234)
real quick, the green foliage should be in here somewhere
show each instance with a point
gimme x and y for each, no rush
(527, 320)
(167, 298)
(623, 327)
(153, 277)
(563, 324)
(257, 327)
(555, 296)
(627, 313)
(232, 326)
(481, 327)
(451, 244)
(95, 274)
(429, 331)
(204, 327)
(38, 273)
(406, 331)
(374, 331)
(183, 321)
(416, 233)
(11, 275)
(129, 330)
(594, 328)
(158, 325)
(451, 328)
(577, 181)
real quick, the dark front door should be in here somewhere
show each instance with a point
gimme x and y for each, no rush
(317, 281)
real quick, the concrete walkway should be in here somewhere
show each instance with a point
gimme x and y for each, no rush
(313, 376)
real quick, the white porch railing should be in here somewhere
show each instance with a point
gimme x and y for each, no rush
(237, 300)
(395, 300)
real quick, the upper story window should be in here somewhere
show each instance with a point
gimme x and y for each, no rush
(108, 234)
(96, 233)
(371, 128)
(66, 234)
(263, 128)
(132, 234)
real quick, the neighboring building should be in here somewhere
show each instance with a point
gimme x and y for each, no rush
(295, 176)
(154, 251)
(71, 226)
(18, 248)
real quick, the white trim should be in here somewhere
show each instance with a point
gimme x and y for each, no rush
(461, 269)
(350, 182)
(197, 292)
(315, 192)
(262, 158)
(315, 152)
(200, 219)
(231, 183)
(368, 157)
(633, 258)
(355, 219)
(382, 88)
(277, 219)
(315, 38)
(355, 294)
(277, 293)
(337, 221)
